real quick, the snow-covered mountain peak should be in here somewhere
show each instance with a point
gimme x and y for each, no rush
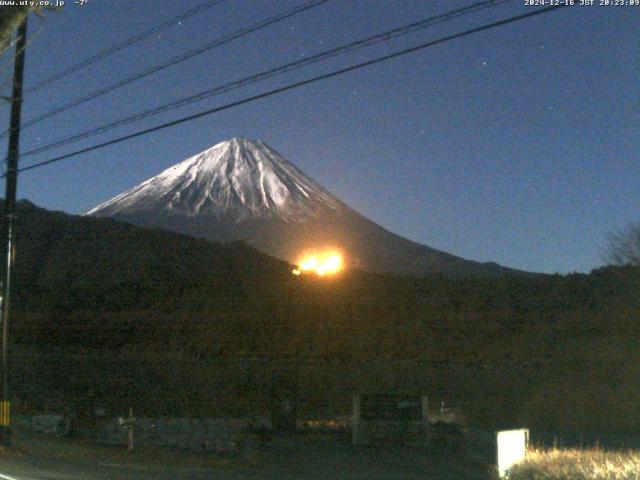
(234, 180)
(242, 189)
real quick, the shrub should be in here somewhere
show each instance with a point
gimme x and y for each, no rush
(569, 464)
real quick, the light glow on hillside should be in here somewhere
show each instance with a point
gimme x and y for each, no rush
(320, 263)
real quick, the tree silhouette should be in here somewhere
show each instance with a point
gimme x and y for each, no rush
(623, 247)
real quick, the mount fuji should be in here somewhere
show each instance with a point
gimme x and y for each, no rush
(242, 189)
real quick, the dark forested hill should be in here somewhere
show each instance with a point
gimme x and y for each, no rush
(502, 349)
(57, 249)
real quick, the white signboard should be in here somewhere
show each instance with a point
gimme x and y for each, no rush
(512, 447)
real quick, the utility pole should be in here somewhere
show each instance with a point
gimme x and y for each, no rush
(9, 217)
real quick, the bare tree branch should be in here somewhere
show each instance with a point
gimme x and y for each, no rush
(623, 247)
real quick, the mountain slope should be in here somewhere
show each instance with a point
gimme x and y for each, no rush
(244, 190)
(62, 251)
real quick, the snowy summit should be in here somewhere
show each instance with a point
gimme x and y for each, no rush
(236, 180)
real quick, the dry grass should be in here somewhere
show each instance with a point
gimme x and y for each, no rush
(578, 465)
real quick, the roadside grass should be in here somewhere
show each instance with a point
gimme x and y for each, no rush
(574, 464)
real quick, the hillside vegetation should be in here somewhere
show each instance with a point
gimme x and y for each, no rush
(107, 312)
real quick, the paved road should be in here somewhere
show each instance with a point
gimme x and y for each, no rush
(296, 458)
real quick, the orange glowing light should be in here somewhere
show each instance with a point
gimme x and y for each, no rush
(326, 263)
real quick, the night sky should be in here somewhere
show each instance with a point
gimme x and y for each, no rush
(518, 145)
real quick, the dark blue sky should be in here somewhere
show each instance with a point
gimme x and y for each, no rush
(518, 145)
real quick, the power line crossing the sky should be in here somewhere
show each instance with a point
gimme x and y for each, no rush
(279, 70)
(295, 85)
(122, 45)
(174, 61)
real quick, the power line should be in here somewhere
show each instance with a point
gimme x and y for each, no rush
(294, 85)
(175, 60)
(350, 47)
(122, 45)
